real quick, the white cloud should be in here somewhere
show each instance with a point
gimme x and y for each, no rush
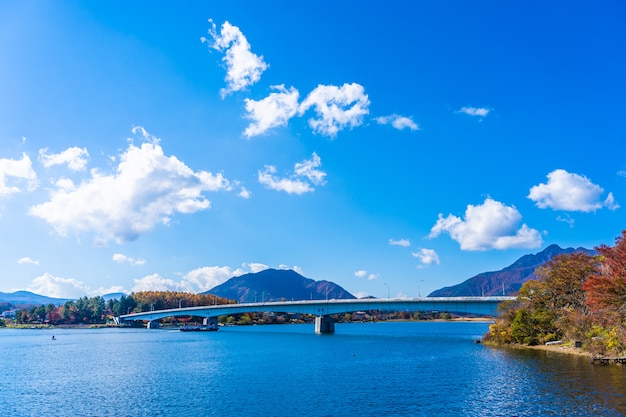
(570, 192)
(255, 266)
(361, 294)
(364, 274)
(75, 158)
(398, 122)
(610, 202)
(27, 260)
(120, 258)
(207, 277)
(491, 225)
(273, 111)
(12, 171)
(336, 107)
(402, 242)
(156, 282)
(58, 287)
(295, 268)
(427, 256)
(475, 111)
(147, 188)
(243, 68)
(244, 193)
(301, 181)
(361, 273)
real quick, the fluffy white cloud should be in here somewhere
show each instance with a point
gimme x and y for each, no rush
(475, 111)
(147, 188)
(491, 225)
(336, 107)
(243, 68)
(570, 192)
(156, 282)
(204, 278)
(58, 287)
(75, 158)
(121, 258)
(427, 256)
(398, 122)
(273, 111)
(27, 260)
(301, 181)
(402, 242)
(14, 172)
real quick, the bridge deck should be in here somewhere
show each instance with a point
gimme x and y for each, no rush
(486, 306)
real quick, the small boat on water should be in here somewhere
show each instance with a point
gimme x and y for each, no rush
(201, 328)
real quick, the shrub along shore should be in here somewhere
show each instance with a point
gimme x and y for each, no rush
(577, 300)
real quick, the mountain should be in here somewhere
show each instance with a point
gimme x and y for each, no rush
(277, 285)
(27, 298)
(512, 277)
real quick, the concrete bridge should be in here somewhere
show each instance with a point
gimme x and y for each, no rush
(324, 309)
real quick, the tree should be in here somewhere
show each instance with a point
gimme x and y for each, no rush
(564, 276)
(606, 289)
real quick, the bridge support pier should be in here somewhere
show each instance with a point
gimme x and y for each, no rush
(210, 321)
(153, 324)
(324, 324)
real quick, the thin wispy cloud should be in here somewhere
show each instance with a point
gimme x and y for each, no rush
(398, 122)
(121, 258)
(75, 158)
(305, 175)
(475, 111)
(27, 260)
(362, 273)
(400, 242)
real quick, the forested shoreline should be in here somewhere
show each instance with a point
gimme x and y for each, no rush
(97, 310)
(577, 299)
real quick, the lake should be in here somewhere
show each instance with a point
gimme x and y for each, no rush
(364, 369)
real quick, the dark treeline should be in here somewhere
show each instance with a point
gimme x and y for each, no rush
(95, 310)
(576, 298)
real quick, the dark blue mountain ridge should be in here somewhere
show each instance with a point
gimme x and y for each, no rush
(277, 285)
(513, 276)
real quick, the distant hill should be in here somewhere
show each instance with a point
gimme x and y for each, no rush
(113, 296)
(513, 276)
(276, 285)
(27, 298)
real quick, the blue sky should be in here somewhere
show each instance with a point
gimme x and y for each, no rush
(390, 147)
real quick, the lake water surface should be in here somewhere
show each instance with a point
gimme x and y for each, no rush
(369, 369)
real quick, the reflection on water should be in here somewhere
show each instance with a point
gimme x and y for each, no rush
(381, 369)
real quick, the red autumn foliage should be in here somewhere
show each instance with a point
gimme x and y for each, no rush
(606, 290)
